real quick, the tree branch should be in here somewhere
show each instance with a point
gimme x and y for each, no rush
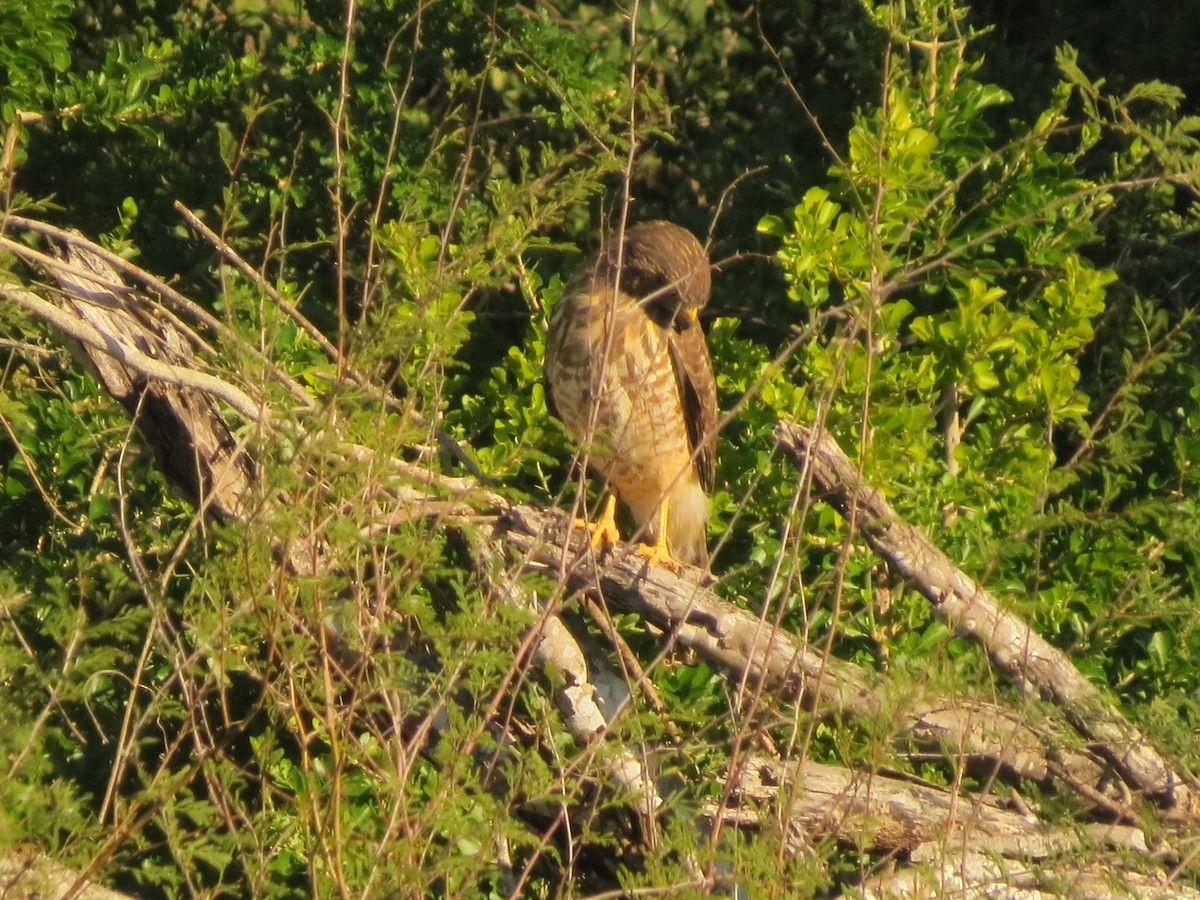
(1030, 661)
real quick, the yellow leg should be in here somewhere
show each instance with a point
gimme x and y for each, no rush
(658, 553)
(603, 532)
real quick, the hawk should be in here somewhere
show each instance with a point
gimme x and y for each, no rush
(628, 372)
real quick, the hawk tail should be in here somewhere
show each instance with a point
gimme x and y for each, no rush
(687, 523)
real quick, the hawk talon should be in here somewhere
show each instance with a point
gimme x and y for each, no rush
(657, 554)
(603, 533)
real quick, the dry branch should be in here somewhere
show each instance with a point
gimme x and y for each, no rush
(726, 635)
(143, 359)
(28, 875)
(967, 873)
(1030, 661)
(961, 845)
(738, 642)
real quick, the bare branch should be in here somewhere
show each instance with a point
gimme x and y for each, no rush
(1030, 661)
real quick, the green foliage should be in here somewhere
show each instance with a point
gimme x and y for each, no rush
(984, 289)
(193, 713)
(948, 270)
(33, 48)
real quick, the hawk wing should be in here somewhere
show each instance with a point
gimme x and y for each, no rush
(698, 394)
(548, 391)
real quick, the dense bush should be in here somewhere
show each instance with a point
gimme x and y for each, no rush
(980, 278)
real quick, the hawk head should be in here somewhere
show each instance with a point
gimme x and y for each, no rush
(665, 268)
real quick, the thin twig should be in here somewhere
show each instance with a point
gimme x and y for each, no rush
(255, 276)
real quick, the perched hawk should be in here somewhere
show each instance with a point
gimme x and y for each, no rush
(628, 373)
